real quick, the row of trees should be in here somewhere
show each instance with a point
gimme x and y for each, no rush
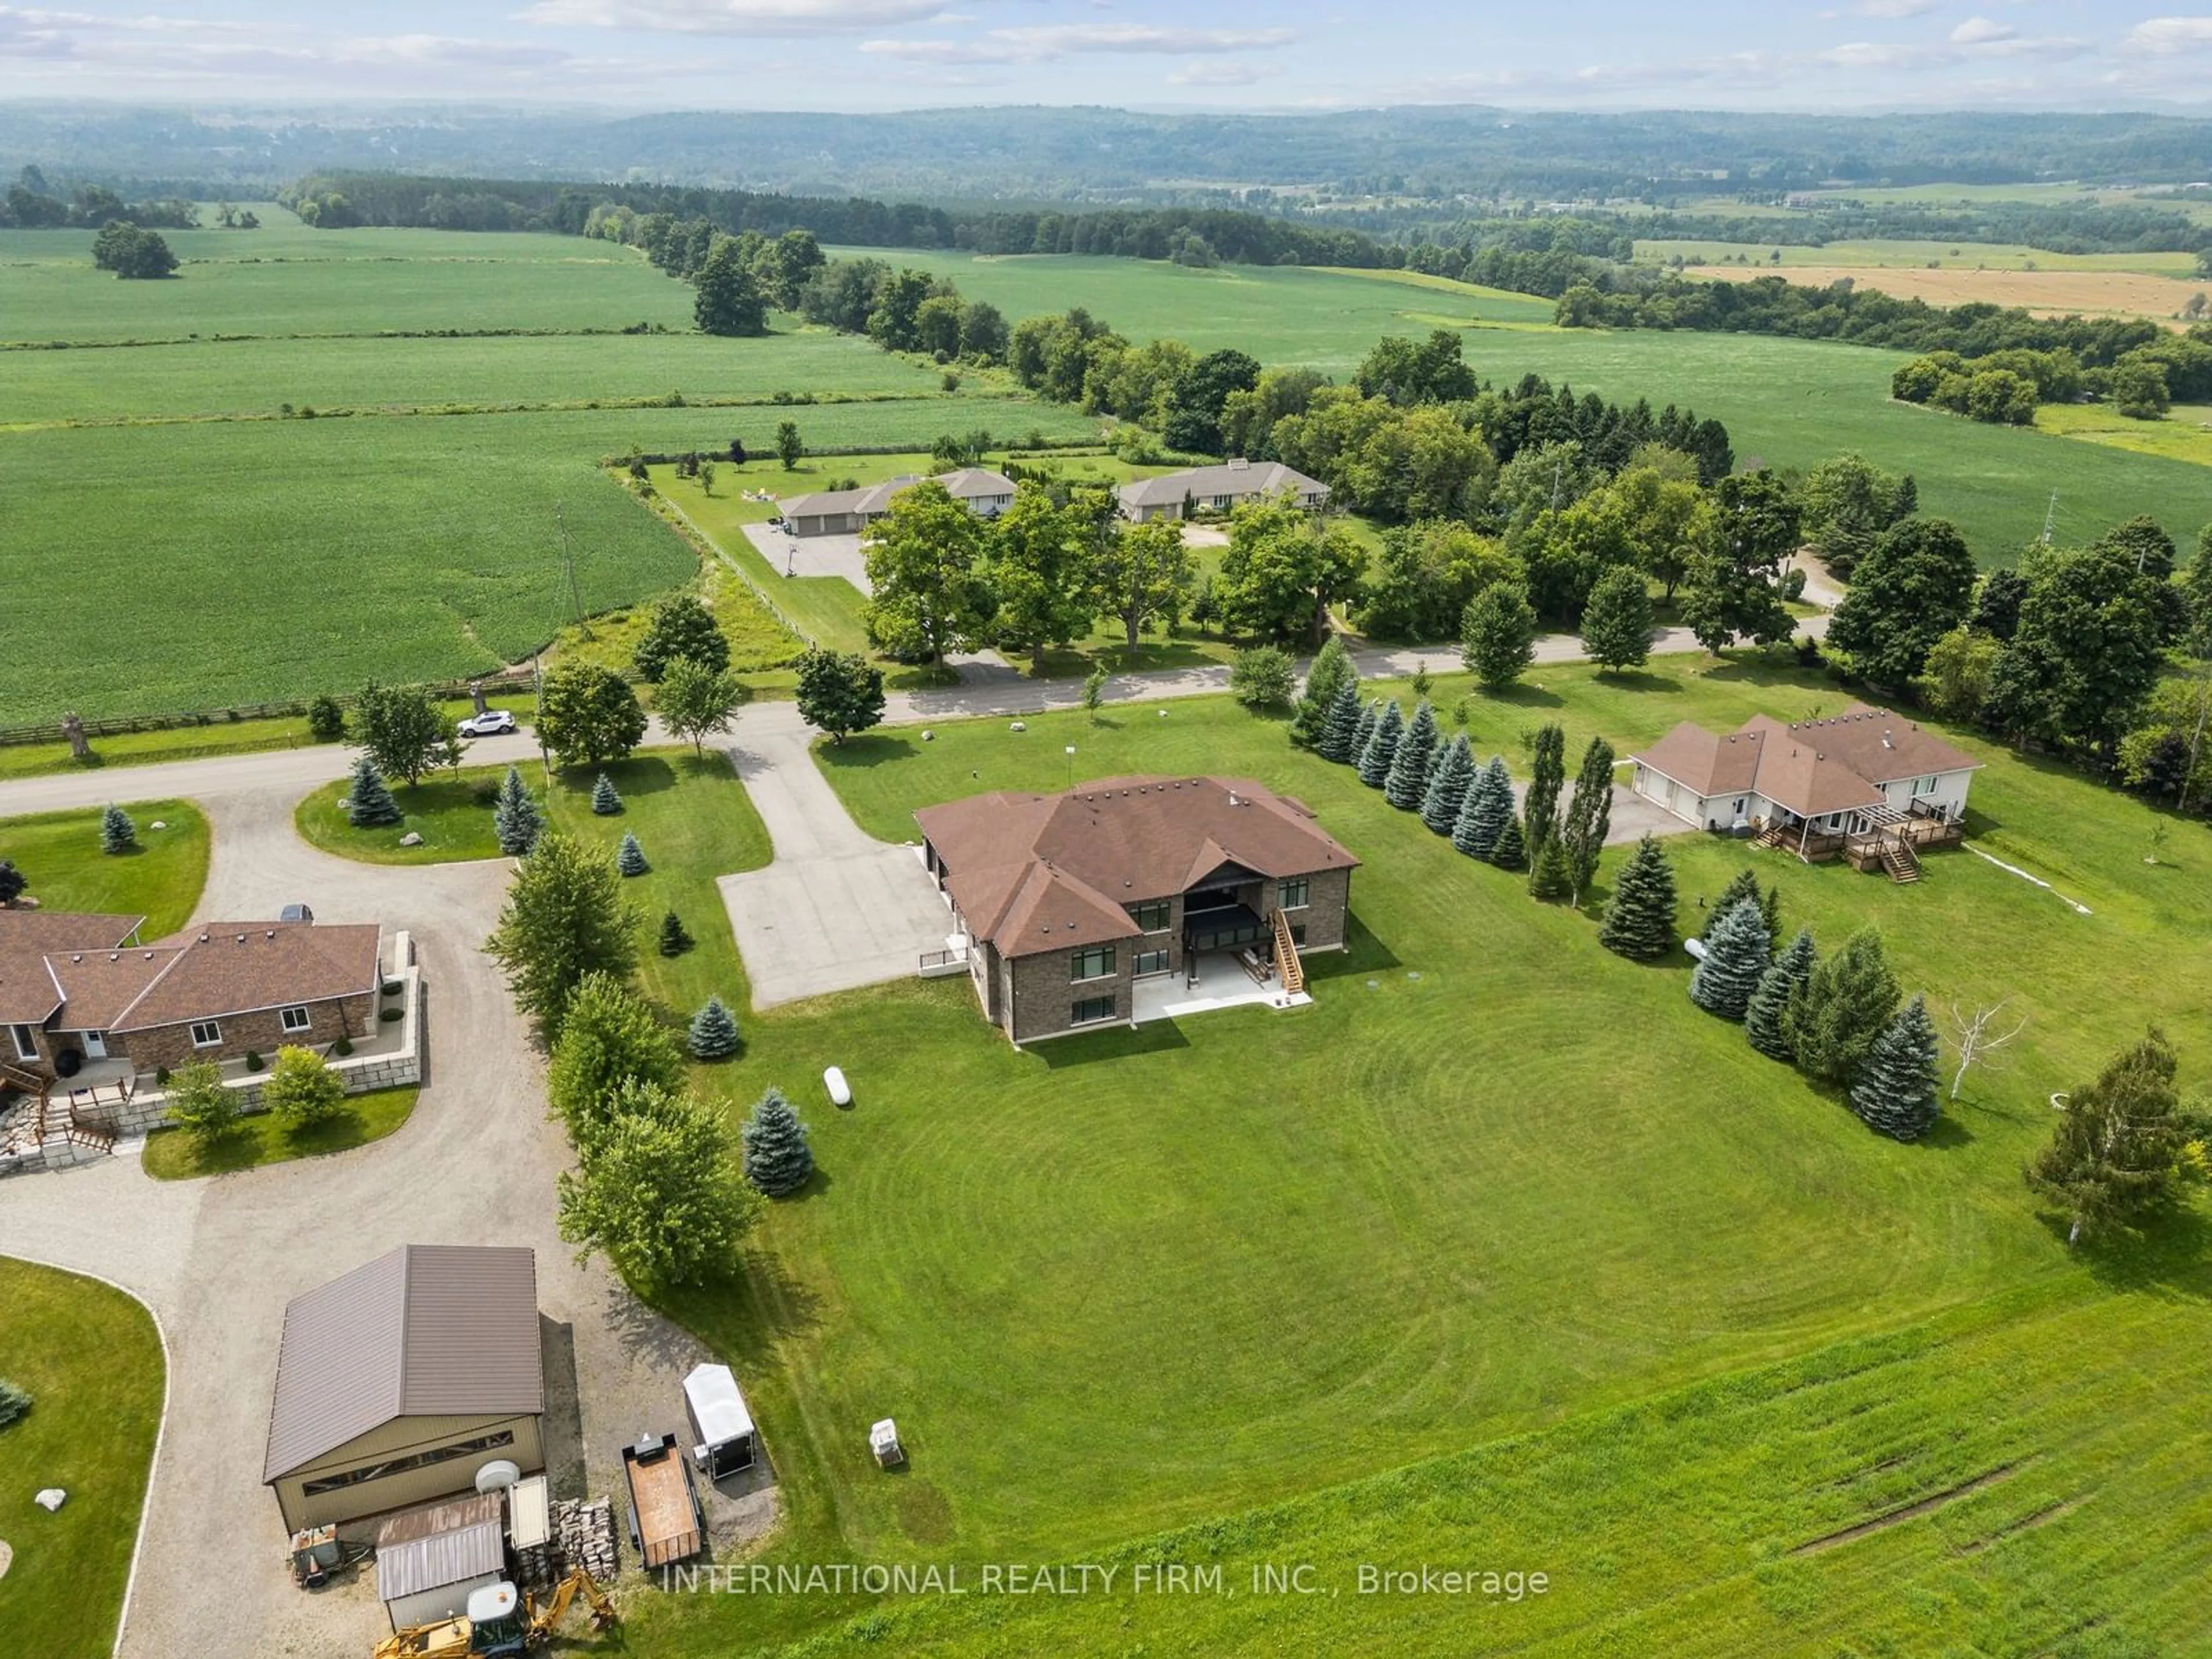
(32, 204)
(2005, 386)
(903, 310)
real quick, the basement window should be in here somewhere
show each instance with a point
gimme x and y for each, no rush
(206, 1034)
(295, 1020)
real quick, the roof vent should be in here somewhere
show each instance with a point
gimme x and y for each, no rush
(1886, 743)
(271, 933)
(77, 958)
(203, 938)
(149, 956)
(241, 938)
(116, 956)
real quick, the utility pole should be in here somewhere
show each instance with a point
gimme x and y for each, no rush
(538, 678)
(568, 558)
(2049, 518)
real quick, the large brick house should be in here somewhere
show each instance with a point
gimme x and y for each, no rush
(1066, 900)
(77, 988)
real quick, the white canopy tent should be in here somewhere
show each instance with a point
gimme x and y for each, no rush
(727, 1441)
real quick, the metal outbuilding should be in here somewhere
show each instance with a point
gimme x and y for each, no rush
(397, 1382)
(430, 1561)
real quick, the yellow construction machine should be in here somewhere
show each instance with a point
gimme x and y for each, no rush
(499, 1623)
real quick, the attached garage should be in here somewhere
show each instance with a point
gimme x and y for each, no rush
(397, 1382)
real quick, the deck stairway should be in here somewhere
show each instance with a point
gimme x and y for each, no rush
(1290, 972)
(1902, 863)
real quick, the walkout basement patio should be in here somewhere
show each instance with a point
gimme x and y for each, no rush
(1222, 983)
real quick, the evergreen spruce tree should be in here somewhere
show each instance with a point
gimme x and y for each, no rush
(1764, 1019)
(515, 819)
(1381, 748)
(778, 1160)
(1331, 672)
(1551, 873)
(1448, 786)
(1736, 954)
(1741, 885)
(1894, 1090)
(1834, 1017)
(1511, 850)
(1486, 811)
(1547, 775)
(630, 858)
(1770, 909)
(604, 801)
(1363, 733)
(117, 832)
(368, 800)
(1343, 723)
(1408, 777)
(675, 938)
(1639, 922)
(714, 1033)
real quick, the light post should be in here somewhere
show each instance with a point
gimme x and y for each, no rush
(1071, 766)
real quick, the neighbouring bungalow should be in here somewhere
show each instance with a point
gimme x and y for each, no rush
(849, 511)
(1218, 488)
(77, 989)
(1069, 907)
(397, 1382)
(1866, 783)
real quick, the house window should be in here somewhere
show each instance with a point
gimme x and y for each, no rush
(1152, 915)
(295, 1020)
(1925, 787)
(25, 1048)
(1292, 895)
(1298, 934)
(1097, 962)
(206, 1034)
(345, 1478)
(1091, 1009)
(1151, 962)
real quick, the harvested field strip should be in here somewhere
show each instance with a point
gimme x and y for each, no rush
(2047, 293)
(1912, 1511)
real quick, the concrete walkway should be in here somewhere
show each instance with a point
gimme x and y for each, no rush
(837, 908)
(216, 1260)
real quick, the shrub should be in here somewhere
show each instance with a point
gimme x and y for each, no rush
(117, 832)
(675, 938)
(161, 1076)
(713, 1034)
(630, 858)
(199, 1104)
(343, 1047)
(253, 1060)
(1262, 677)
(326, 721)
(301, 1089)
(605, 800)
(15, 1401)
(390, 1014)
(391, 988)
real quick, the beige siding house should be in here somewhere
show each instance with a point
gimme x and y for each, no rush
(1218, 488)
(397, 1382)
(849, 511)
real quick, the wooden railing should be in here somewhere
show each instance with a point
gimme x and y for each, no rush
(1290, 972)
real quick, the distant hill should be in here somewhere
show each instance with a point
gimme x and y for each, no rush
(1039, 154)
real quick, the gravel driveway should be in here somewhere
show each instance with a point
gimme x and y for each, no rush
(216, 1260)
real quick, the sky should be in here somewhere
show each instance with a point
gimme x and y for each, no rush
(1289, 54)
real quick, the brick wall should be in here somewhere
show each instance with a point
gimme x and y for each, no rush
(1327, 911)
(261, 1032)
(1045, 996)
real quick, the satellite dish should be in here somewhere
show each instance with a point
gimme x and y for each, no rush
(497, 1476)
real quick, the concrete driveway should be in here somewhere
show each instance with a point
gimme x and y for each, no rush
(837, 908)
(217, 1259)
(811, 555)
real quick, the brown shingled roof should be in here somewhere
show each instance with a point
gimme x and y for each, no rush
(428, 1330)
(236, 967)
(29, 992)
(1813, 767)
(1038, 872)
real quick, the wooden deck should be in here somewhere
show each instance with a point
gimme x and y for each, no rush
(664, 1514)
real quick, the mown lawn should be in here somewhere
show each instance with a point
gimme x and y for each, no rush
(1493, 1181)
(690, 815)
(263, 1138)
(160, 880)
(93, 1362)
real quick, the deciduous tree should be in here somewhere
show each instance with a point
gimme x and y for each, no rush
(1142, 573)
(1617, 620)
(611, 1036)
(587, 715)
(404, 731)
(925, 559)
(661, 1196)
(1497, 636)
(199, 1104)
(697, 702)
(1284, 569)
(1262, 675)
(1547, 776)
(1913, 585)
(301, 1090)
(1039, 569)
(682, 626)
(564, 917)
(839, 693)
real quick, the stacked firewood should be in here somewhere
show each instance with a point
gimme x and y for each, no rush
(583, 1532)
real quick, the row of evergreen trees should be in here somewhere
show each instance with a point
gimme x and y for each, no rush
(1837, 1018)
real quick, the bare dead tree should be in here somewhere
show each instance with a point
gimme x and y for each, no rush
(1975, 1040)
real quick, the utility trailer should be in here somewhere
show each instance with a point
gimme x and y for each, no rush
(666, 1525)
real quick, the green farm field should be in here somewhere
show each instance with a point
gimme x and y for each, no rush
(1786, 403)
(1949, 255)
(1176, 1293)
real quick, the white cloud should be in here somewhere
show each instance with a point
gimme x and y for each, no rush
(1223, 75)
(1890, 9)
(757, 17)
(2169, 37)
(1980, 31)
(1050, 42)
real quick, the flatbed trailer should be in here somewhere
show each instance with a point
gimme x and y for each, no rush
(666, 1523)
